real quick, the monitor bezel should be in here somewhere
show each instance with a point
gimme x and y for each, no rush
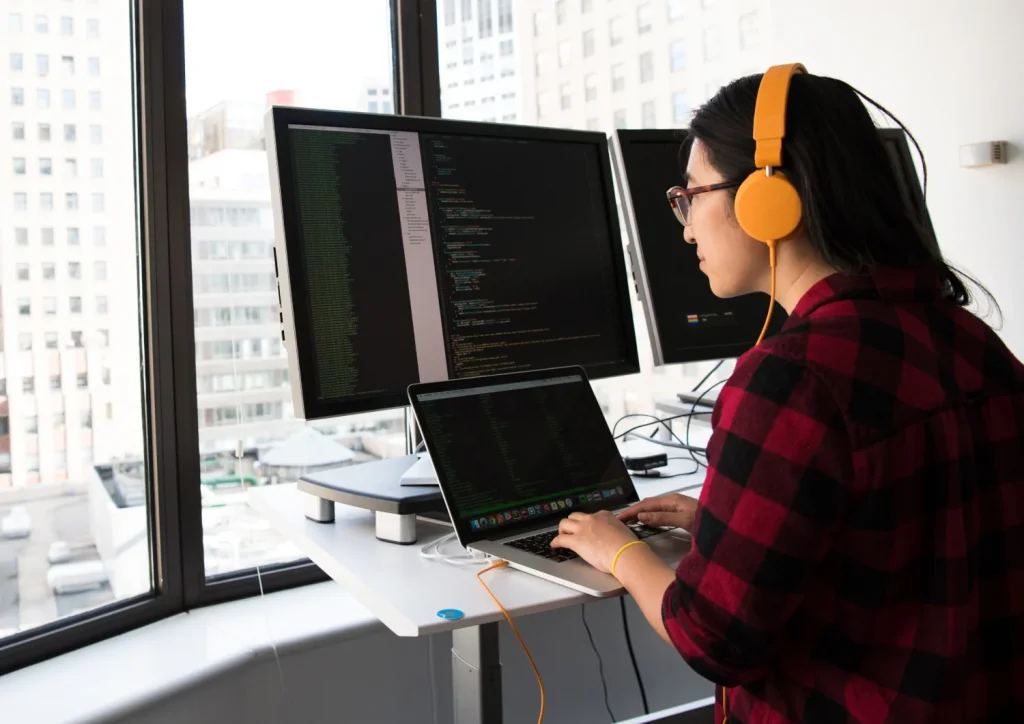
(623, 138)
(295, 312)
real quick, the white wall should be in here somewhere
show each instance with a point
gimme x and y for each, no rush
(950, 70)
(384, 679)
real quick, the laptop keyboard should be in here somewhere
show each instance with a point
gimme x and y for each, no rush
(540, 544)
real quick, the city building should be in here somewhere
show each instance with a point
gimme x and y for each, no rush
(481, 60)
(375, 97)
(68, 244)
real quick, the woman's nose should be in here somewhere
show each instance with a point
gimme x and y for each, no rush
(688, 235)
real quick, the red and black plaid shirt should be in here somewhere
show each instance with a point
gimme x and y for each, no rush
(859, 547)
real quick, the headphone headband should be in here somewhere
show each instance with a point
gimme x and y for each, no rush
(770, 113)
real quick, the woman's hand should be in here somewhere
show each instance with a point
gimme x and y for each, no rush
(670, 509)
(594, 538)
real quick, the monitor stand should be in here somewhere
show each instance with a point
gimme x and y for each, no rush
(420, 474)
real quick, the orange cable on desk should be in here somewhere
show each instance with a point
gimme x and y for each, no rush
(536, 672)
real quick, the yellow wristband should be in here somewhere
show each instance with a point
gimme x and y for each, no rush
(622, 550)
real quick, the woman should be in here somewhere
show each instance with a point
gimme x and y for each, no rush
(858, 546)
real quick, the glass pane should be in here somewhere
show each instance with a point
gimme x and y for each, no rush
(244, 392)
(73, 518)
(602, 66)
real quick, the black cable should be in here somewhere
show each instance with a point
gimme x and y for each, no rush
(600, 664)
(655, 421)
(689, 419)
(708, 375)
(632, 655)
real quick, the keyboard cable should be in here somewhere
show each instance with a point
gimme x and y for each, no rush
(600, 665)
(632, 655)
(536, 671)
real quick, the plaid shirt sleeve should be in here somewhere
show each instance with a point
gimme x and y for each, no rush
(779, 465)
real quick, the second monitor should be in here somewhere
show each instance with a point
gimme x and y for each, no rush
(413, 250)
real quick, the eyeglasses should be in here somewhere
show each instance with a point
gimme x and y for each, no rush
(681, 200)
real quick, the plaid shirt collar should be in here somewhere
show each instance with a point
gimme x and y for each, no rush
(882, 283)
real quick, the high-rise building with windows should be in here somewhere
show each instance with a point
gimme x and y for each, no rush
(481, 61)
(70, 369)
(375, 97)
(634, 63)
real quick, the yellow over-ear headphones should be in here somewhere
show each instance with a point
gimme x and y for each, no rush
(767, 205)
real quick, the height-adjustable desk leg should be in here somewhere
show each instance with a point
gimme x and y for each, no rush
(476, 675)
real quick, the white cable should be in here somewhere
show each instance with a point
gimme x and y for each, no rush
(432, 551)
(270, 634)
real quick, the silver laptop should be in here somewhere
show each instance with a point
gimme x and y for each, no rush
(516, 453)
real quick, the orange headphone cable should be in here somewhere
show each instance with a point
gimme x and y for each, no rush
(771, 304)
(536, 672)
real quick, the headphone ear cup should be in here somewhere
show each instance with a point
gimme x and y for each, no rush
(768, 208)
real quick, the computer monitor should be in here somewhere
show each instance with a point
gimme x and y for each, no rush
(688, 323)
(414, 250)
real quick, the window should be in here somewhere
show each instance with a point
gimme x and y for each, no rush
(504, 16)
(646, 67)
(70, 133)
(100, 271)
(680, 107)
(32, 426)
(103, 337)
(485, 21)
(49, 271)
(616, 31)
(75, 305)
(96, 167)
(67, 64)
(95, 103)
(99, 236)
(644, 19)
(593, 124)
(677, 56)
(73, 236)
(92, 28)
(43, 65)
(561, 11)
(24, 307)
(467, 10)
(620, 118)
(750, 31)
(50, 340)
(21, 236)
(14, 24)
(67, 26)
(74, 271)
(449, 12)
(94, 67)
(98, 203)
(648, 115)
(618, 77)
(565, 93)
(18, 131)
(55, 381)
(505, 49)
(46, 236)
(538, 23)
(42, 98)
(46, 201)
(68, 100)
(21, 272)
(19, 166)
(712, 43)
(590, 87)
(17, 62)
(588, 43)
(25, 341)
(85, 416)
(71, 201)
(76, 340)
(586, 6)
(540, 62)
(564, 54)
(71, 167)
(42, 24)
(95, 134)
(20, 201)
(675, 10)
(101, 305)
(467, 53)
(44, 132)
(17, 97)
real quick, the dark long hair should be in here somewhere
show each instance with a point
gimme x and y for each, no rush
(854, 214)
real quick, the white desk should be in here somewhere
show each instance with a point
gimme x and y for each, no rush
(406, 591)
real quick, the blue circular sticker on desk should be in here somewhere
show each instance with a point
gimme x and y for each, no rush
(450, 614)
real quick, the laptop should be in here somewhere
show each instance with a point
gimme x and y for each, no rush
(516, 453)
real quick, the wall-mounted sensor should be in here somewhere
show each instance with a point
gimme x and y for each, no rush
(983, 154)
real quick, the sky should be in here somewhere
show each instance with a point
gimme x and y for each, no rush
(240, 50)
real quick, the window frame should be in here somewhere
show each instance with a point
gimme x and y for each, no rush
(167, 333)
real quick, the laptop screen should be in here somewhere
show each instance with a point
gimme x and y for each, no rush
(515, 449)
